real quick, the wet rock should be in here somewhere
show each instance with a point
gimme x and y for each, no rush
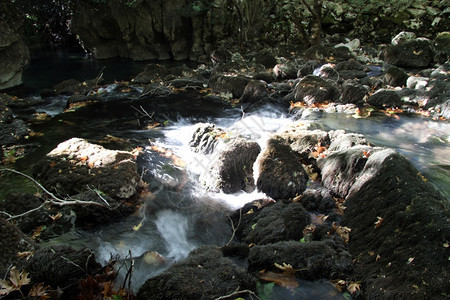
(221, 55)
(190, 83)
(18, 203)
(275, 222)
(48, 93)
(205, 138)
(151, 72)
(315, 260)
(403, 37)
(234, 84)
(204, 274)
(14, 53)
(72, 87)
(233, 171)
(308, 68)
(318, 53)
(313, 89)
(395, 77)
(6, 115)
(396, 213)
(412, 54)
(385, 99)
(255, 90)
(319, 200)
(77, 166)
(12, 241)
(418, 83)
(280, 171)
(340, 140)
(353, 92)
(285, 71)
(63, 267)
(13, 132)
(340, 169)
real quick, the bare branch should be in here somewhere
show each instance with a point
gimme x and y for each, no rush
(234, 227)
(238, 293)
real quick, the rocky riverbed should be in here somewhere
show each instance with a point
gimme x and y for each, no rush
(359, 219)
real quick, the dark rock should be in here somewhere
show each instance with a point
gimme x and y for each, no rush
(47, 93)
(63, 267)
(266, 58)
(442, 47)
(221, 55)
(352, 74)
(6, 115)
(98, 174)
(395, 77)
(255, 90)
(14, 132)
(342, 53)
(151, 72)
(14, 53)
(285, 71)
(276, 222)
(204, 274)
(319, 200)
(281, 173)
(353, 92)
(12, 241)
(234, 84)
(313, 89)
(318, 53)
(315, 260)
(205, 138)
(264, 76)
(413, 227)
(308, 68)
(233, 171)
(76, 99)
(412, 54)
(19, 203)
(385, 99)
(340, 169)
(350, 64)
(190, 83)
(72, 87)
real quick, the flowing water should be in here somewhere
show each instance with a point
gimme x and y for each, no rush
(179, 215)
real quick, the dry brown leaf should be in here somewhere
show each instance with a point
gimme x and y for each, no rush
(282, 279)
(56, 217)
(39, 290)
(378, 222)
(352, 287)
(342, 231)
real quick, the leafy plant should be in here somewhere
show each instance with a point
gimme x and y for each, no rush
(264, 290)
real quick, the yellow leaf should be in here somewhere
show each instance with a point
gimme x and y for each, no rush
(249, 212)
(138, 226)
(56, 217)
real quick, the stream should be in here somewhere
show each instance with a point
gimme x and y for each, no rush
(181, 215)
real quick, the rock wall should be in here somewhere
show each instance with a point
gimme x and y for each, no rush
(14, 53)
(147, 29)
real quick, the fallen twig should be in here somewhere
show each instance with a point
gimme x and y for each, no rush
(251, 293)
(233, 227)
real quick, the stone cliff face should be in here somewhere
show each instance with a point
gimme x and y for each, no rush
(147, 29)
(14, 53)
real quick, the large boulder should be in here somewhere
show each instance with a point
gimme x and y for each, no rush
(89, 172)
(385, 99)
(205, 274)
(353, 92)
(14, 53)
(411, 54)
(313, 89)
(62, 267)
(280, 172)
(233, 171)
(313, 260)
(398, 220)
(224, 83)
(262, 223)
(12, 242)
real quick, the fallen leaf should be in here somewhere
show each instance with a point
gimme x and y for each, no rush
(353, 287)
(378, 257)
(282, 279)
(342, 231)
(56, 217)
(39, 290)
(249, 212)
(138, 226)
(25, 254)
(410, 260)
(378, 222)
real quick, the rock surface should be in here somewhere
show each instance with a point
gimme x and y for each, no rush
(14, 53)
